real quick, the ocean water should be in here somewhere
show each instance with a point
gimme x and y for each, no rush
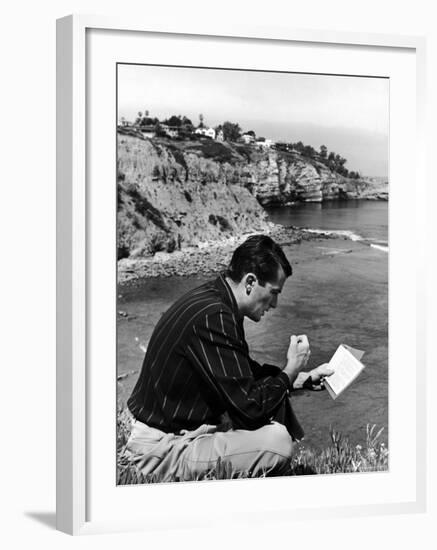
(358, 219)
(338, 294)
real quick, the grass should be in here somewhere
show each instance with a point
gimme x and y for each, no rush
(339, 457)
(342, 457)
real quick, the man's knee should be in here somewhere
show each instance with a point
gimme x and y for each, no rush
(276, 439)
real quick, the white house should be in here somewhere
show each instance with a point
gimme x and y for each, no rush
(266, 144)
(248, 138)
(170, 131)
(148, 131)
(220, 136)
(210, 132)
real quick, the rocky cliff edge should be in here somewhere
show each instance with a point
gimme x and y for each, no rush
(175, 194)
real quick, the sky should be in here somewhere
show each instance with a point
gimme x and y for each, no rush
(348, 114)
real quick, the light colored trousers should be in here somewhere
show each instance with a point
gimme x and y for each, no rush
(192, 455)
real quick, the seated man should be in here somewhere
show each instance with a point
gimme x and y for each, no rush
(197, 370)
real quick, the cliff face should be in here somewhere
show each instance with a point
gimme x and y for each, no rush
(175, 194)
(280, 178)
(168, 199)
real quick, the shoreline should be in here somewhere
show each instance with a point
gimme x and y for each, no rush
(209, 257)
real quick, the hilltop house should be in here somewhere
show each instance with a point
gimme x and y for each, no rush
(148, 131)
(209, 132)
(220, 136)
(248, 138)
(264, 144)
(170, 131)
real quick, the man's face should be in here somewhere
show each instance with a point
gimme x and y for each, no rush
(262, 298)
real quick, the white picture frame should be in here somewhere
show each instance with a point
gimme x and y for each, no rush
(76, 239)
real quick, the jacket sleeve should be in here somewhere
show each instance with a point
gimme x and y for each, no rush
(261, 371)
(219, 353)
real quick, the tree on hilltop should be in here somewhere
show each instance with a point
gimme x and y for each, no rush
(298, 146)
(173, 121)
(231, 131)
(354, 175)
(339, 161)
(309, 151)
(334, 161)
(186, 121)
(331, 161)
(148, 121)
(159, 131)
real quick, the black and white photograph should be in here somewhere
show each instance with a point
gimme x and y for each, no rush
(252, 274)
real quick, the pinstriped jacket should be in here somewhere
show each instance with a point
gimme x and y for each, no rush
(197, 367)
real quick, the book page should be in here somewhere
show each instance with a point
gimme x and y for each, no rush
(346, 368)
(357, 353)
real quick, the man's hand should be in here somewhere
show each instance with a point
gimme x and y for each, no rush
(297, 355)
(201, 430)
(318, 374)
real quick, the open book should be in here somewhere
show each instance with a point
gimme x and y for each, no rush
(347, 366)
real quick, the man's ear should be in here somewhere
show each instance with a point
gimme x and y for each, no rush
(250, 279)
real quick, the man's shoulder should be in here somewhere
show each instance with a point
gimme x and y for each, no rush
(202, 305)
(215, 313)
(204, 298)
(207, 302)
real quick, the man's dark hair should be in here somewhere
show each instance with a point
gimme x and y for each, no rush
(259, 254)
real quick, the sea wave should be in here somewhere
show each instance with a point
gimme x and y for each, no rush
(379, 247)
(374, 243)
(340, 232)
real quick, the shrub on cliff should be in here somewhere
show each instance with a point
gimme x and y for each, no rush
(142, 229)
(214, 150)
(145, 208)
(220, 221)
(178, 156)
(246, 151)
